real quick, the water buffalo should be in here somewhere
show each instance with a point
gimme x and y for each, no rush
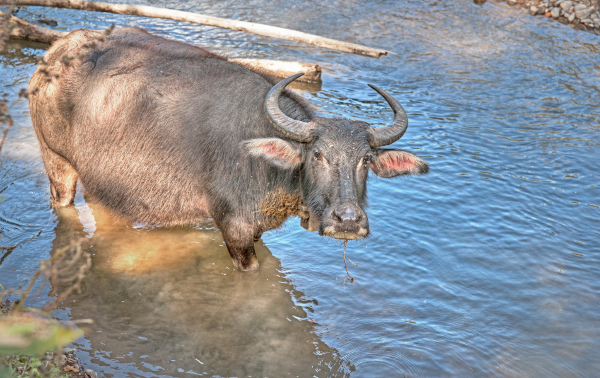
(163, 132)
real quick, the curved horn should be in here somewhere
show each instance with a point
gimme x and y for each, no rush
(394, 131)
(289, 127)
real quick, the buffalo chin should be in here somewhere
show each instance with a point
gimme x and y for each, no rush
(344, 235)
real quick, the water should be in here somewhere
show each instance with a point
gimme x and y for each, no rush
(488, 266)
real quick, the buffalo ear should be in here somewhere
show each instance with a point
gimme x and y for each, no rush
(392, 163)
(276, 151)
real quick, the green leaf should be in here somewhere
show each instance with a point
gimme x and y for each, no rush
(34, 335)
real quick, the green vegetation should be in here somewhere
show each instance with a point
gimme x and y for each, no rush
(25, 341)
(31, 367)
(30, 340)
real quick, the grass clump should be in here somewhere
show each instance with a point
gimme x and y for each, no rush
(40, 366)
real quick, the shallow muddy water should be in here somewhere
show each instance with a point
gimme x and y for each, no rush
(487, 266)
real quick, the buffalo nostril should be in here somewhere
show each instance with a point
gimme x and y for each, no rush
(347, 214)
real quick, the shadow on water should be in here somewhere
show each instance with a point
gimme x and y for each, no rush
(168, 301)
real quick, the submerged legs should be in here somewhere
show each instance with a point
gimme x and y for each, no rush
(62, 175)
(239, 238)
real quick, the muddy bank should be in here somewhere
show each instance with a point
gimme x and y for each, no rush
(581, 14)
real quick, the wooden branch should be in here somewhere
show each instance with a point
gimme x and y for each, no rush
(249, 27)
(20, 29)
(282, 69)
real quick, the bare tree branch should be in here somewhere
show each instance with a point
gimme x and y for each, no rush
(249, 27)
(312, 72)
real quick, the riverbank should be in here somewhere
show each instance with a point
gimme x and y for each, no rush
(52, 364)
(581, 14)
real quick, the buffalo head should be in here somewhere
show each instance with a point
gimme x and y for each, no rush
(334, 156)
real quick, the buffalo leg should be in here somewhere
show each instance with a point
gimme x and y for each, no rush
(239, 238)
(62, 175)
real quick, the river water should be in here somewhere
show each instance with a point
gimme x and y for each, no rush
(487, 266)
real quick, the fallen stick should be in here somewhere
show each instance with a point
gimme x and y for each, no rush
(312, 72)
(249, 27)
(24, 30)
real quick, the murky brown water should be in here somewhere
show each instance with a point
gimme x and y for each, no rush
(173, 294)
(488, 266)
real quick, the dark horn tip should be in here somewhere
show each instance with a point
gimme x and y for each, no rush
(376, 88)
(284, 83)
(389, 134)
(294, 77)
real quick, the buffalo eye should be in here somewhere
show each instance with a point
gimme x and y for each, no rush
(366, 160)
(317, 155)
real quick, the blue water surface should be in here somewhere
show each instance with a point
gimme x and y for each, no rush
(487, 266)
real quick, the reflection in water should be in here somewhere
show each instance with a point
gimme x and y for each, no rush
(169, 300)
